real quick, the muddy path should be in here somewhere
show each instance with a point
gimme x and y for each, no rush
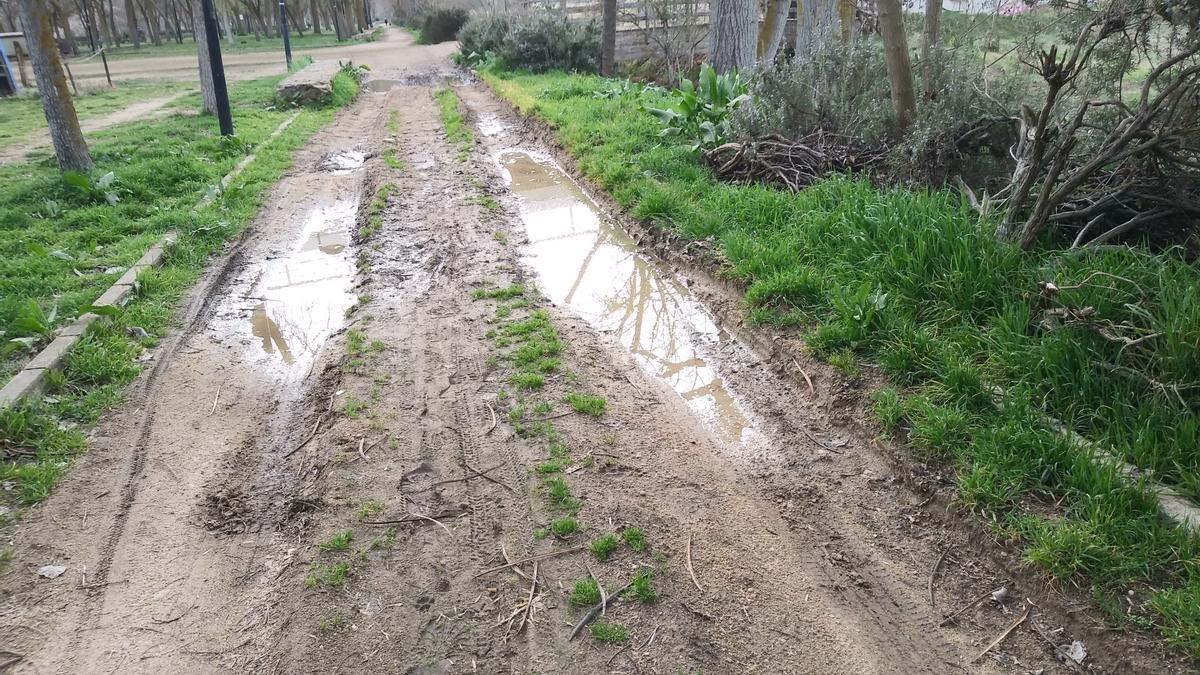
(327, 461)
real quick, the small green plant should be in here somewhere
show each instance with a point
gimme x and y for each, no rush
(603, 547)
(506, 293)
(527, 381)
(541, 533)
(559, 495)
(564, 527)
(610, 633)
(585, 593)
(545, 468)
(333, 575)
(337, 542)
(393, 162)
(844, 361)
(369, 510)
(354, 407)
(330, 623)
(703, 110)
(634, 538)
(500, 237)
(642, 589)
(586, 404)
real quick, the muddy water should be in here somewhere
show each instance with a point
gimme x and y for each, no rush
(585, 262)
(285, 308)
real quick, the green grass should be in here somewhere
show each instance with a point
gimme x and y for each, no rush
(333, 576)
(337, 542)
(457, 130)
(344, 88)
(585, 593)
(564, 527)
(913, 283)
(558, 494)
(22, 115)
(586, 404)
(602, 547)
(634, 538)
(61, 247)
(506, 293)
(610, 633)
(642, 589)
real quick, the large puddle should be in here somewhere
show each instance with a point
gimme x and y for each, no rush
(296, 300)
(586, 263)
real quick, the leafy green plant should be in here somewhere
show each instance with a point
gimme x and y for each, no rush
(603, 547)
(585, 593)
(94, 189)
(703, 109)
(29, 327)
(609, 633)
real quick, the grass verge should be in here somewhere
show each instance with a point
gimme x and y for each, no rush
(22, 115)
(62, 246)
(911, 282)
(457, 131)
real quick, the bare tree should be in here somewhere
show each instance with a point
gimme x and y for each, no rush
(673, 28)
(732, 31)
(608, 37)
(208, 95)
(69, 147)
(770, 34)
(895, 54)
(131, 23)
(930, 35)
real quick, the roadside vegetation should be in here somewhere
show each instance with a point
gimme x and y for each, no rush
(21, 115)
(65, 238)
(885, 267)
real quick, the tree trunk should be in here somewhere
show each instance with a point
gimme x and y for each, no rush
(818, 24)
(608, 37)
(208, 96)
(732, 30)
(930, 36)
(770, 34)
(112, 24)
(69, 146)
(63, 16)
(151, 24)
(895, 54)
(131, 24)
(316, 17)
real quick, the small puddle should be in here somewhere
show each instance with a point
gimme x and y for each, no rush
(343, 161)
(586, 263)
(298, 299)
(382, 85)
(490, 125)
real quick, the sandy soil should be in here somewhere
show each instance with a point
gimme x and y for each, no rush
(191, 531)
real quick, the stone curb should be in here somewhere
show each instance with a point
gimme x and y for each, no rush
(31, 380)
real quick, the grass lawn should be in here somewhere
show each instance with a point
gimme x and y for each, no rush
(241, 44)
(61, 246)
(912, 283)
(22, 115)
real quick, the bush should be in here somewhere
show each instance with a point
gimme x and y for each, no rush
(442, 25)
(844, 91)
(702, 115)
(537, 42)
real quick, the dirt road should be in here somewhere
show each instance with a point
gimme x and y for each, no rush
(328, 460)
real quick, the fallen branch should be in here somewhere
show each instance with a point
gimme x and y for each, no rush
(417, 517)
(1000, 638)
(592, 613)
(933, 574)
(691, 572)
(525, 618)
(539, 557)
(807, 379)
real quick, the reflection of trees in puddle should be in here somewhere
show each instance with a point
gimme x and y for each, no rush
(655, 321)
(264, 328)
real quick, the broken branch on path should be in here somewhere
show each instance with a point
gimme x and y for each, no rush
(216, 398)
(416, 517)
(824, 446)
(595, 611)
(969, 605)
(1020, 620)
(494, 420)
(933, 574)
(691, 572)
(533, 558)
(525, 618)
(812, 391)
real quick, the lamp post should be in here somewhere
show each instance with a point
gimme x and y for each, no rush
(224, 115)
(283, 28)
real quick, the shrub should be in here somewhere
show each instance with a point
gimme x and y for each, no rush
(537, 42)
(442, 25)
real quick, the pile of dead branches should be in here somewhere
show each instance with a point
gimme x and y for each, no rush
(791, 164)
(1105, 168)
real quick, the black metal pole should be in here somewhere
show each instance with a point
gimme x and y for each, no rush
(224, 115)
(283, 28)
